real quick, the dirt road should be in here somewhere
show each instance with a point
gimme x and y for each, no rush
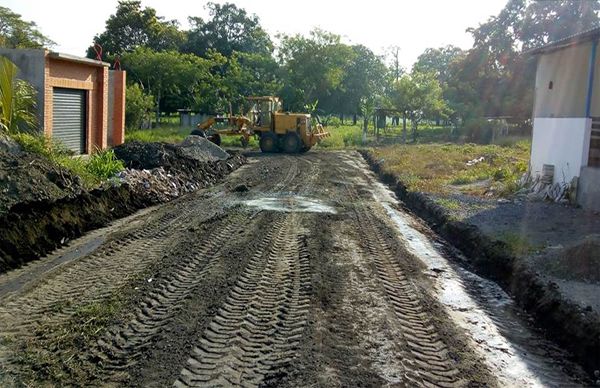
(297, 271)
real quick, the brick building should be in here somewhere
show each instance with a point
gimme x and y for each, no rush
(80, 101)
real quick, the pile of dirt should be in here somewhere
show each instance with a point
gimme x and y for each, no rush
(198, 147)
(26, 177)
(179, 158)
(165, 171)
(580, 261)
(46, 206)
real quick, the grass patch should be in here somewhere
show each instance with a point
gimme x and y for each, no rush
(343, 136)
(444, 168)
(448, 203)
(56, 354)
(168, 133)
(99, 166)
(517, 244)
(173, 133)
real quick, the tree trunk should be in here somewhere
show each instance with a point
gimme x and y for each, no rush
(404, 127)
(158, 108)
(342, 118)
(415, 125)
(354, 119)
(365, 128)
(375, 129)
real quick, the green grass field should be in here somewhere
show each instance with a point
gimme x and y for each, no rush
(443, 168)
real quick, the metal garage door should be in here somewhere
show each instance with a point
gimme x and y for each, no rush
(68, 118)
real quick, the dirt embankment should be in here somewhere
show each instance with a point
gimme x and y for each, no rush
(45, 206)
(574, 328)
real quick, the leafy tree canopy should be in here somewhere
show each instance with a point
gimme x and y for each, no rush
(18, 33)
(132, 27)
(230, 29)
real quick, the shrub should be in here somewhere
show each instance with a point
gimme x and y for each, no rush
(138, 106)
(41, 145)
(479, 130)
(104, 164)
(17, 100)
(100, 166)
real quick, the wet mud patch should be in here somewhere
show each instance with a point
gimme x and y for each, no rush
(572, 327)
(290, 203)
(329, 353)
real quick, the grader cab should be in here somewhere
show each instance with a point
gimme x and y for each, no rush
(277, 131)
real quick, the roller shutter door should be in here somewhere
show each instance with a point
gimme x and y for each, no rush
(68, 118)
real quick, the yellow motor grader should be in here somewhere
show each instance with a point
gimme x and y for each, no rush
(276, 130)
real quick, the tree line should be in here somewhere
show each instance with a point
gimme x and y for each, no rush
(218, 61)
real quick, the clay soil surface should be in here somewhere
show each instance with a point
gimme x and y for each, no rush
(290, 273)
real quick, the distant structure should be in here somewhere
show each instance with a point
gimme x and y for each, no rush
(80, 101)
(566, 114)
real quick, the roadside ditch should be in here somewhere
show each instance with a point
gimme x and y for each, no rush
(53, 214)
(574, 328)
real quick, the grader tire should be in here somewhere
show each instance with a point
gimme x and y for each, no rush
(216, 138)
(268, 142)
(292, 143)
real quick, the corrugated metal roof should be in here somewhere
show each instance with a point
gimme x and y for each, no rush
(580, 37)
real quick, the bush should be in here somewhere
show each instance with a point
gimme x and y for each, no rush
(41, 145)
(479, 130)
(138, 106)
(333, 121)
(104, 164)
(342, 137)
(100, 166)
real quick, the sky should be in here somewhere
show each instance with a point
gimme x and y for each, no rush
(378, 24)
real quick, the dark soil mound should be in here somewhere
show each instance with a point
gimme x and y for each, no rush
(577, 262)
(172, 157)
(48, 206)
(27, 177)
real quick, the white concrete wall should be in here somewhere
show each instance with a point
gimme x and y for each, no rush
(563, 142)
(567, 69)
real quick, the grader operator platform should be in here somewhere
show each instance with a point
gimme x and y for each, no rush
(276, 130)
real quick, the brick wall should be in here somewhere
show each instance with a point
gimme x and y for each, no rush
(118, 107)
(94, 79)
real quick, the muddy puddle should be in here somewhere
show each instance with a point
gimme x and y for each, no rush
(290, 203)
(498, 330)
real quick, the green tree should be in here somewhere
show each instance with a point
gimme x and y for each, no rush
(17, 100)
(546, 21)
(314, 68)
(418, 95)
(437, 61)
(364, 80)
(247, 74)
(230, 29)
(131, 27)
(496, 77)
(171, 77)
(18, 33)
(138, 106)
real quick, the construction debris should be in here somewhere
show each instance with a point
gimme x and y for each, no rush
(202, 149)
(541, 187)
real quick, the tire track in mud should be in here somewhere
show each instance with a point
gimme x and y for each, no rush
(122, 346)
(257, 330)
(93, 278)
(426, 359)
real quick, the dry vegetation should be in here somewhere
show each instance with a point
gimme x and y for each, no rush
(445, 168)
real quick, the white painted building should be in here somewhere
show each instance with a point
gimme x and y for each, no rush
(566, 113)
